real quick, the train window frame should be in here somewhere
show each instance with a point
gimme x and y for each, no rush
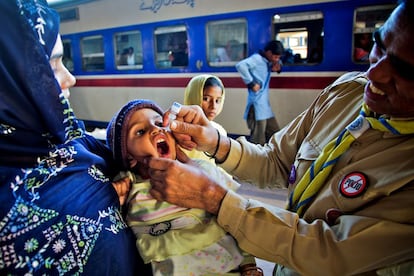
(125, 41)
(95, 58)
(307, 28)
(226, 46)
(363, 30)
(67, 58)
(171, 47)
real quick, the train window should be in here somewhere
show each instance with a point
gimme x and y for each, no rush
(367, 20)
(226, 42)
(171, 46)
(128, 50)
(301, 35)
(67, 54)
(92, 53)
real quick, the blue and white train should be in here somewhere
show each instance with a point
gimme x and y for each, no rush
(121, 50)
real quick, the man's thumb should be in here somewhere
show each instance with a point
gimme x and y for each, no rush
(181, 156)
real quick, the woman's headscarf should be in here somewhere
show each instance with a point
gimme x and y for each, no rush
(193, 94)
(33, 114)
(59, 213)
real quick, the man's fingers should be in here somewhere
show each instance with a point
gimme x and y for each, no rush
(181, 156)
(185, 128)
(156, 194)
(188, 145)
(157, 190)
(190, 115)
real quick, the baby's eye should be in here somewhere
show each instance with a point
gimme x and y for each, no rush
(140, 132)
(158, 124)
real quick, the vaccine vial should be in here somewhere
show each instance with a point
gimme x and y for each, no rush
(175, 108)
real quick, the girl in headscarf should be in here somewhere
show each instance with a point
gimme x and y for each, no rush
(59, 213)
(206, 91)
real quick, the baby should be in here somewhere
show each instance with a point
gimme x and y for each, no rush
(175, 240)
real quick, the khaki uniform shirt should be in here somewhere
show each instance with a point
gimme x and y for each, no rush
(338, 235)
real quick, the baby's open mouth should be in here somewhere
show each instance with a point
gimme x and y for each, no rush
(162, 148)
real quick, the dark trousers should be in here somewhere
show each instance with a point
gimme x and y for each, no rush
(262, 130)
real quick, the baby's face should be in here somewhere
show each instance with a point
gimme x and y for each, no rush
(147, 138)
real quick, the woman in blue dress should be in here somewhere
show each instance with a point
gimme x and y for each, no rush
(59, 213)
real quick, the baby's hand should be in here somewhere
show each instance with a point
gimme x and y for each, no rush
(122, 188)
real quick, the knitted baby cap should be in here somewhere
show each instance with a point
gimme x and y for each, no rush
(116, 132)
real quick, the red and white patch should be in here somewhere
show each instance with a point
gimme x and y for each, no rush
(353, 184)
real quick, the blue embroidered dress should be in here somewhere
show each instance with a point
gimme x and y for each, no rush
(59, 213)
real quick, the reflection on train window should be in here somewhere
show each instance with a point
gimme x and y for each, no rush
(367, 20)
(301, 35)
(226, 42)
(92, 53)
(171, 47)
(128, 50)
(67, 54)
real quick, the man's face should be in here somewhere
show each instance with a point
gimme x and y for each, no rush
(271, 57)
(391, 74)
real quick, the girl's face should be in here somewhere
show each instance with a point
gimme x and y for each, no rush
(62, 75)
(212, 101)
(147, 138)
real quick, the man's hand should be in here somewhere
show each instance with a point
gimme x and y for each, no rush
(184, 184)
(256, 87)
(277, 67)
(192, 129)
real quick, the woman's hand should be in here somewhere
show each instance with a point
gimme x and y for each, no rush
(122, 188)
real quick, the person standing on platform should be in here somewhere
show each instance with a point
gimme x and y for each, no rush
(256, 72)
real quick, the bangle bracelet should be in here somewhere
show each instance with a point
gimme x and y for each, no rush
(217, 147)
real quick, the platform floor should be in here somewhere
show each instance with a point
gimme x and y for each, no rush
(274, 196)
(270, 196)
